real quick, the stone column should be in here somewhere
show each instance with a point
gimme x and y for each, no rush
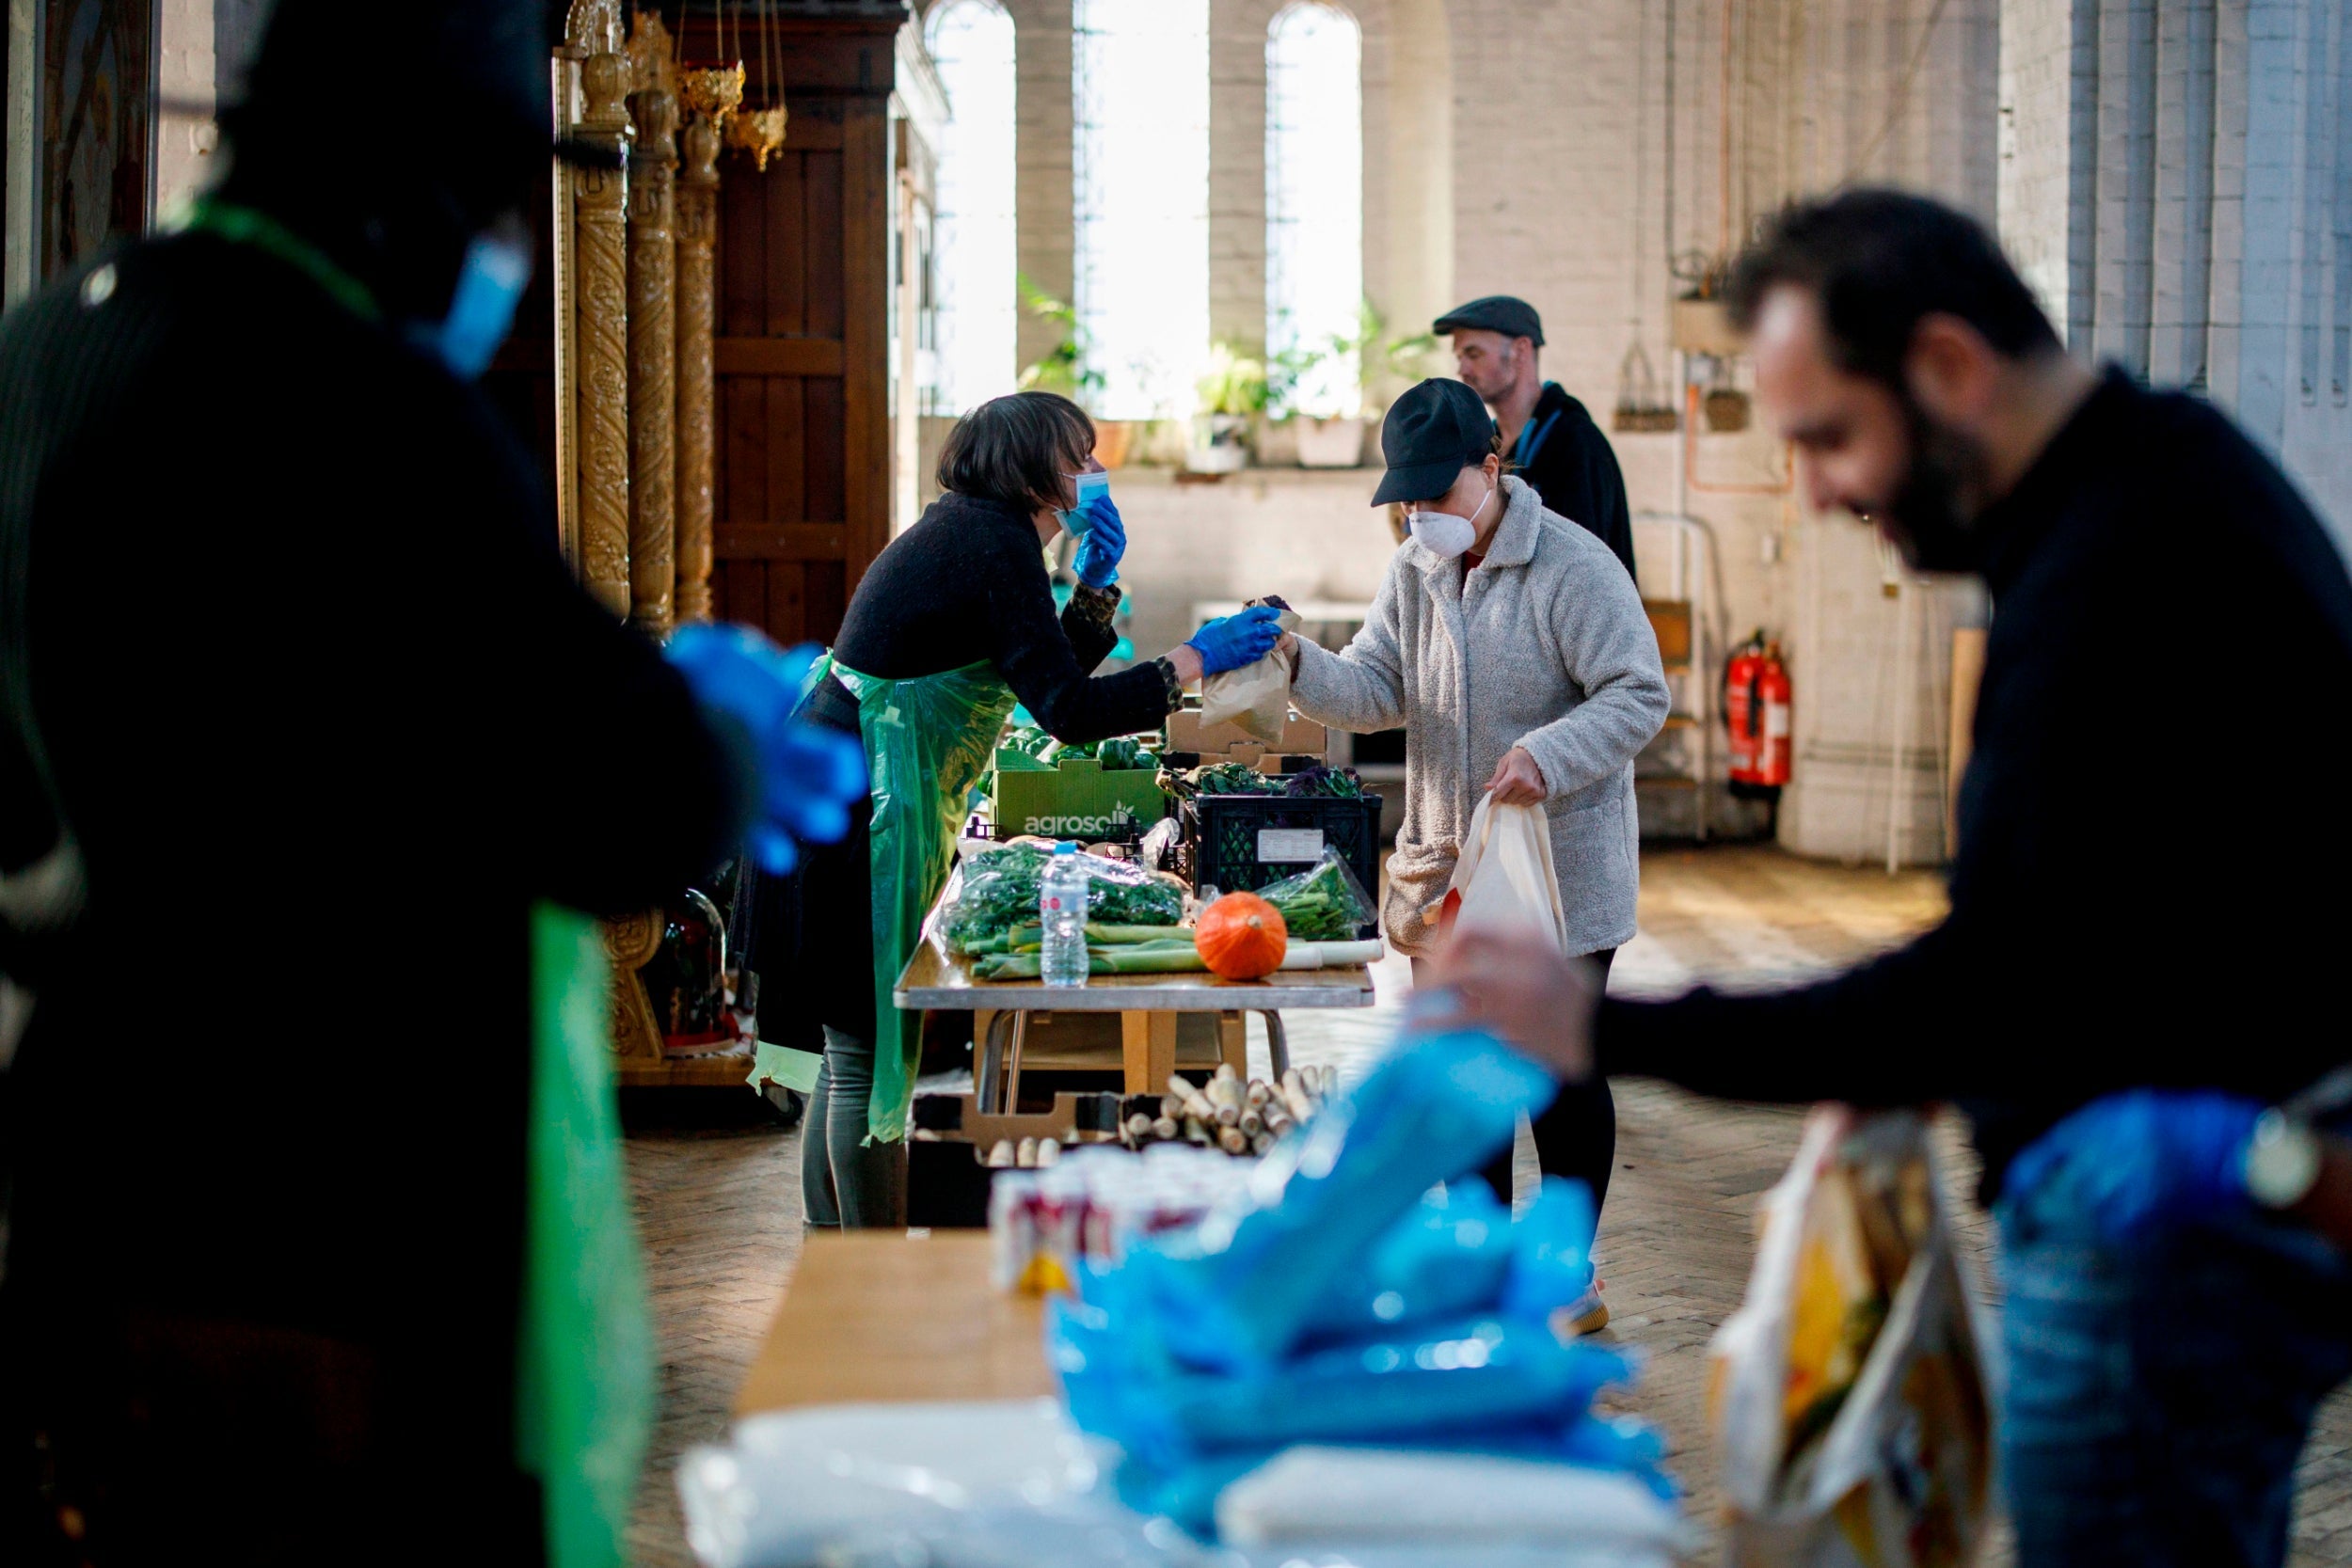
(600, 320)
(708, 96)
(652, 329)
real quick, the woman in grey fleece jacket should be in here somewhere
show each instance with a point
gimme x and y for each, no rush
(1524, 666)
(1533, 673)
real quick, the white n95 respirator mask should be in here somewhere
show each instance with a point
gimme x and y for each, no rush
(1443, 534)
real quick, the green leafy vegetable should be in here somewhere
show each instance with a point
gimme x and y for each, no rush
(1327, 904)
(1218, 778)
(1174, 958)
(1000, 891)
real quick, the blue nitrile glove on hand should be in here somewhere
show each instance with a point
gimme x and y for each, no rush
(1100, 545)
(2136, 1160)
(1237, 639)
(809, 773)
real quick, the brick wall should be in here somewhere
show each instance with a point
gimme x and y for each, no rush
(186, 72)
(2179, 200)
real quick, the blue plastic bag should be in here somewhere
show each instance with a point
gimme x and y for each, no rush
(1551, 1251)
(1449, 1255)
(1245, 1287)
(1463, 1376)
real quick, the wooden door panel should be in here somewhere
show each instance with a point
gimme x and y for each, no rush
(822, 293)
(745, 595)
(787, 604)
(824, 495)
(802, 469)
(784, 219)
(739, 471)
(742, 247)
(788, 439)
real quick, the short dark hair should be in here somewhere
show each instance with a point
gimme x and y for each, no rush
(1879, 261)
(1015, 449)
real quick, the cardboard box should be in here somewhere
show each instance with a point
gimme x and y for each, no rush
(1300, 736)
(1074, 798)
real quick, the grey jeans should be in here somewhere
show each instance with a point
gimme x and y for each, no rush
(846, 1182)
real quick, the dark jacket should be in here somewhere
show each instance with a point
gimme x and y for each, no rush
(327, 715)
(2167, 613)
(1563, 453)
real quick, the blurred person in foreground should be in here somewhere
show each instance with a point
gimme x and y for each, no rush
(310, 752)
(2161, 1385)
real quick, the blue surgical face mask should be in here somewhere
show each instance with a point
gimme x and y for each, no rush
(490, 284)
(1076, 520)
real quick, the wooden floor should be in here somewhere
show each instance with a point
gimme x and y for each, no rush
(721, 1213)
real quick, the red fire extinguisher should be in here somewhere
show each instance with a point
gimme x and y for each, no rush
(1757, 707)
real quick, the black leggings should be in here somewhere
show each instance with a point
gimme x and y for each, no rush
(1577, 1136)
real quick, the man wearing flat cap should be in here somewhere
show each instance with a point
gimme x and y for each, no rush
(1551, 442)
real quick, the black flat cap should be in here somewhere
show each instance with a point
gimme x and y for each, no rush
(1432, 433)
(1513, 318)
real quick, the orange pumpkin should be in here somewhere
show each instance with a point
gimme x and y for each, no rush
(1242, 937)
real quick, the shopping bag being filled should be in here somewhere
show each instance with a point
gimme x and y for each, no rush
(1503, 880)
(1848, 1393)
(1256, 696)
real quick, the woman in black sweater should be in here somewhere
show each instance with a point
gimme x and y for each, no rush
(953, 622)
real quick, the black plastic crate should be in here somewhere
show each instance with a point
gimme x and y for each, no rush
(1224, 832)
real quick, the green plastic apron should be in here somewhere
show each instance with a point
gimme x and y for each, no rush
(927, 742)
(585, 1389)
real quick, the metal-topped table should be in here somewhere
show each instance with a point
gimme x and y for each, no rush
(1148, 1006)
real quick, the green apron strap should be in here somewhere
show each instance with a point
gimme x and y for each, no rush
(927, 741)
(251, 226)
(583, 1368)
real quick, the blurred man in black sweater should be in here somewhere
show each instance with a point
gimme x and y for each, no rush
(2165, 606)
(301, 717)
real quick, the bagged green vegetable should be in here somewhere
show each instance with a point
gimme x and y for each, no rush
(1000, 889)
(1327, 904)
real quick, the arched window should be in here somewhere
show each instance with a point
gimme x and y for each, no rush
(1140, 86)
(1314, 201)
(971, 41)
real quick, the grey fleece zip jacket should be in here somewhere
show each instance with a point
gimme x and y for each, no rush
(1544, 645)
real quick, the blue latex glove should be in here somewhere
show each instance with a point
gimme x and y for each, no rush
(1100, 545)
(809, 773)
(2138, 1160)
(1237, 639)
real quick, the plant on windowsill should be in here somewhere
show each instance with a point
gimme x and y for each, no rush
(1230, 395)
(1063, 369)
(1327, 424)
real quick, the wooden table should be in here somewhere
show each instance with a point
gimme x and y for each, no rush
(1147, 1005)
(876, 1315)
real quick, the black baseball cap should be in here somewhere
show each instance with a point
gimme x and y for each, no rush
(1513, 318)
(1432, 433)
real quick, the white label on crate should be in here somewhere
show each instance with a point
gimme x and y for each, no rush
(1278, 844)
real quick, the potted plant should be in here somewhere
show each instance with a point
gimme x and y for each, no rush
(1309, 388)
(1232, 391)
(1063, 369)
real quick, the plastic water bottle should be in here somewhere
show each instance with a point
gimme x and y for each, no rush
(1061, 909)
